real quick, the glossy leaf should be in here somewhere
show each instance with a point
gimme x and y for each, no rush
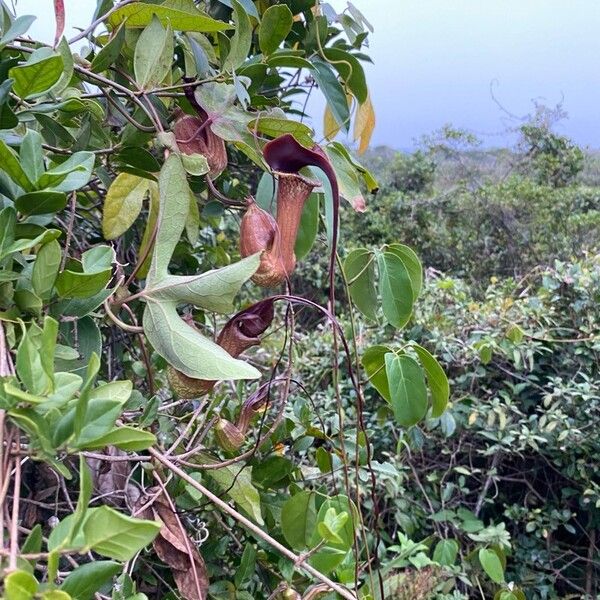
(359, 271)
(41, 203)
(31, 155)
(348, 178)
(333, 92)
(408, 391)
(69, 175)
(412, 263)
(122, 204)
(437, 380)
(395, 288)
(276, 23)
(373, 361)
(351, 71)
(37, 75)
(45, 269)
(125, 437)
(8, 119)
(84, 581)
(115, 535)
(11, 163)
(92, 274)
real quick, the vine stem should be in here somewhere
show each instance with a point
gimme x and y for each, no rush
(14, 526)
(341, 590)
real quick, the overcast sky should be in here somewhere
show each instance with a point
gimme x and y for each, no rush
(435, 61)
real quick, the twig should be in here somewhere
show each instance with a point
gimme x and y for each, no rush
(14, 525)
(341, 590)
(72, 208)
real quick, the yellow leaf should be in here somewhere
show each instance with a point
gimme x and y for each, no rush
(330, 125)
(364, 124)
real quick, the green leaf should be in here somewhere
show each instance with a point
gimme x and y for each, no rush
(18, 27)
(195, 164)
(153, 55)
(241, 40)
(55, 595)
(81, 409)
(412, 263)
(395, 288)
(117, 536)
(276, 23)
(236, 482)
(188, 351)
(8, 119)
(83, 582)
(41, 203)
(309, 226)
(45, 269)
(359, 270)
(100, 418)
(247, 4)
(68, 67)
(328, 558)
(123, 204)
(347, 176)
(110, 52)
(247, 566)
(330, 526)
(373, 361)
(178, 343)
(437, 380)
(276, 126)
(124, 437)
(140, 14)
(69, 175)
(40, 73)
(20, 585)
(298, 519)
(350, 70)
(91, 276)
(407, 389)
(86, 488)
(445, 552)
(333, 92)
(11, 163)
(491, 565)
(31, 155)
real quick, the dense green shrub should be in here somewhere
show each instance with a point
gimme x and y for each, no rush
(514, 461)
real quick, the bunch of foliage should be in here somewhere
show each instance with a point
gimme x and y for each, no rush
(143, 452)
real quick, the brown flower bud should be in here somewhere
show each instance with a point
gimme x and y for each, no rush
(187, 387)
(194, 136)
(238, 334)
(257, 229)
(228, 436)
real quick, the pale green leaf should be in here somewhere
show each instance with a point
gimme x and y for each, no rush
(359, 270)
(153, 54)
(38, 75)
(395, 288)
(140, 14)
(123, 204)
(241, 40)
(437, 380)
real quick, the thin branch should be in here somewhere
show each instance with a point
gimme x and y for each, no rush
(341, 590)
